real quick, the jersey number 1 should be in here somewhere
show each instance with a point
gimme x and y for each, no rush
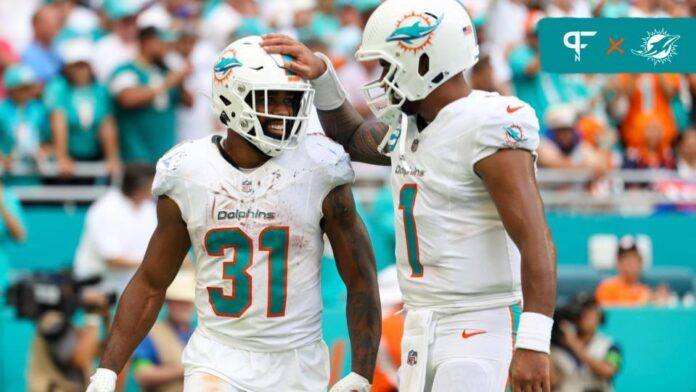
(273, 240)
(407, 200)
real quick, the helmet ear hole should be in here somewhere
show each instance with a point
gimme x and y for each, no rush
(438, 78)
(224, 100)
(224, 119)
(423, 64)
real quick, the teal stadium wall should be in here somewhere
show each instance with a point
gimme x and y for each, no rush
(659, 345)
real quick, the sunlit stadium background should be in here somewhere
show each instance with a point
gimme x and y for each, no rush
(618, 156)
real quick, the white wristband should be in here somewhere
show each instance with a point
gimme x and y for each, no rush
(103, 380)
(534, 332)
(329, 92)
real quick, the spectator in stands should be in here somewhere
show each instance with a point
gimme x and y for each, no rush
(11, 231)
(147, 93)
(611, 9)
(23, 118)
(648, 96)
(647, 9)
(80, 21)
(40, 55)
(354, 75)
(537, 88)
(196, 121)
(169, 14)
(7, 58)
(626, 289)
(482, 75)
(563, 148)
(325, 23)
(157, 360)
(302, 11)
(568, 9)
(686, 154)
(222, 22)
(348, 37)
(117, 229)
(121, 44)
(652, 152)
(82, 123)
(582, 358)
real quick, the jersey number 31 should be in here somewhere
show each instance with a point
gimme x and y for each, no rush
(273, 240)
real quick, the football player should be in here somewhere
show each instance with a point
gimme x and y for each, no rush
(472, 243)
(254, 207)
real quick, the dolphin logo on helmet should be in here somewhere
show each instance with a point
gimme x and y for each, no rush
(413, 32)
(226, 63)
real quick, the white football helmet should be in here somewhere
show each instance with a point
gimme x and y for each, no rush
(405, 33)
(243, 71)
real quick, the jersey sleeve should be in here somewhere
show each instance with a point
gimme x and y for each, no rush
(169, 179)
(331, 160)
(506, 130)
(123, 79)
(341, 172)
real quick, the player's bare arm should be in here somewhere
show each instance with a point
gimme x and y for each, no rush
(509, 177)
(144, 296)
(343, 124)
(360, 138)
(356, 264)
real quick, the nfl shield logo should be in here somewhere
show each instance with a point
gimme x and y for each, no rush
(412, 358)
(414, 146)
(246, 186)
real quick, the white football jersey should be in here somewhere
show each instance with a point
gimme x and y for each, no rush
(256, 238)
(451, 248)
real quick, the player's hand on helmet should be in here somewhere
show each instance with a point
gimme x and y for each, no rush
(304, 63)
(529, 371)
(103, 380)
(352, 383)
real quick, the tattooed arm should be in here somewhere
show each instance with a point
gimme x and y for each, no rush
(356, 264)
(360, 138)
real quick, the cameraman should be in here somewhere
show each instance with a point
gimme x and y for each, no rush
(583, 360)
(61, 354)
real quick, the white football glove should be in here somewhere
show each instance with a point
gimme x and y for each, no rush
(104, 380)
(352, 383)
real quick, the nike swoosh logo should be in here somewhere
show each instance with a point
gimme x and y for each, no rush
(513, 110)
(467, 335)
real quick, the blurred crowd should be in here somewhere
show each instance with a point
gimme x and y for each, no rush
(122, 81)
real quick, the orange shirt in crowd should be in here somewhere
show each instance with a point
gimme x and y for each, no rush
(615, 291)
(648, 98)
